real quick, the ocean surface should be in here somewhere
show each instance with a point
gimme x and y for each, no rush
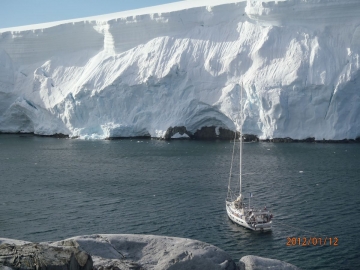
(51, 189)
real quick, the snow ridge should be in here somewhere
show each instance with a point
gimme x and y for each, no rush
(140, 72)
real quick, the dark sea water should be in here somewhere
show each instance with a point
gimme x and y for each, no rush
(51, 189)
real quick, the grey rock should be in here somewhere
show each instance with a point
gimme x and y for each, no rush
(125, 252)
(206, 133)
(250, 138)
(105, 256)
(5, 268)
(43, 256)
(171, 131)
(210, 133)
(153, 252)
(12, 241)
(251, 262)
(282, 140)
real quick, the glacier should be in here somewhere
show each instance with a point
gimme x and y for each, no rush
(140, 72)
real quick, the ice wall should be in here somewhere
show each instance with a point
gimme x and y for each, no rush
(137, 73)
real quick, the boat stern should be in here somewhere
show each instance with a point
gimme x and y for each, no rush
(263, 226)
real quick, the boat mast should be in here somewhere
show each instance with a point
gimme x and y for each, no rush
(240, 137)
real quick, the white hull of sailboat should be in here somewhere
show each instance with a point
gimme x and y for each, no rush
(239, 219)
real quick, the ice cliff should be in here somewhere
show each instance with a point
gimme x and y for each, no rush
(137, 73)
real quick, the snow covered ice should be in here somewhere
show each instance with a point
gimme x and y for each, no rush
(139, 72)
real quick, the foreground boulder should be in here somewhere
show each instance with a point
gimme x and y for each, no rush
(43, 256)
(259, 263)
(153, 252)
(123, 252)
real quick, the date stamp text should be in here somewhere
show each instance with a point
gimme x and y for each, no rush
(312, 241)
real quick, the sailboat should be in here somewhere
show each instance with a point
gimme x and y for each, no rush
(237, 210)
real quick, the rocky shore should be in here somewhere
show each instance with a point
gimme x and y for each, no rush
(205, 133)
(125, 252)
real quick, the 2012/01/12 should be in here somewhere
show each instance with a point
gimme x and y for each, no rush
(314, 241)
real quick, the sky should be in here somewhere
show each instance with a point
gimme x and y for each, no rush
(25, 12)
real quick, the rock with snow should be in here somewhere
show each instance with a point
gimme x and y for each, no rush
(251, 262)
(137, 73)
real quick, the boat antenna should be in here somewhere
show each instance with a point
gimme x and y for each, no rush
(241, 135)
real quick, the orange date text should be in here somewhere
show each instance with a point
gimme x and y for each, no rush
(312, 241)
